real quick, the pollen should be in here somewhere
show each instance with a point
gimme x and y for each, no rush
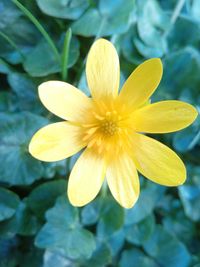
(109, 128)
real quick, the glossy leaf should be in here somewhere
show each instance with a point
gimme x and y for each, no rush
(13, 148)
(161, 243)
(63, 9)
(62, 231)
(9, 203)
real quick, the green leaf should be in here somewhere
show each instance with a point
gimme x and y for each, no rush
(56, 258)
(8, 14)
(190, 196)
(151, 23)
(8, 255)
(9, 203)
(101, 257)
(26, 91)
(84, 27)
(65, 9)
(116, 242)
(24, 36)
(187, 139)
(178, 224)
(63, 231)
(19, 167)
(7, 102)
(4, 67)
(137, 257)
(178, 40)
(195, 10)
(42, 62)
(145, 204)
(39, 27)
(188, 61)
(104, 20)
(150, 51)
(161, 244)
(52, 168)
(111, 218)
(139, 233)
(129, 49)
(91, 212)
(44, 196)
(23, 223)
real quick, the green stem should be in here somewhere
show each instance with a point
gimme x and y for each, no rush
(65, 54)
(195, 140)
(99, 32)
(175, 15)
(104, 189)
(39, 27)
(3, 35)
(177, 11)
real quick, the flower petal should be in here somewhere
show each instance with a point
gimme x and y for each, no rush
(142, 83)
(64, 100)
(157, 161)
(102, 69)
(56, 141)
(86, 178)
(123, 181)
(164, 117)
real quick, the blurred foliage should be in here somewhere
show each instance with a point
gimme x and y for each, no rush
(38, 226)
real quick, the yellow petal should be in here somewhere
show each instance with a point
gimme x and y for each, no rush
(86, 178)
(64, 100)
(102, 69)
(56, 141)
(164, 117)
(142, 83)
(123, 181)
(157, 161)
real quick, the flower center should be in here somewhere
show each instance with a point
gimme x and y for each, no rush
(109, 128)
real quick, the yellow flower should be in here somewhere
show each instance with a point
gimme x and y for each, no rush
(111, 125)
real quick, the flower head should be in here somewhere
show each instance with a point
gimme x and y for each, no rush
(110, 126)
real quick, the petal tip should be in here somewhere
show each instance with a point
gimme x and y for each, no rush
(182, 177)
(158, 61)
(30, 149)
(75, 201)
(130, 205)
(102, 40)
(195, 114)
(48, 84)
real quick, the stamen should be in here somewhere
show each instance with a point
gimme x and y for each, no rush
(100, 149)
(109, 128)
(91, 143)
(108, 113)
(92, 130)
(98, 116)
(99, 141)
(86, 137)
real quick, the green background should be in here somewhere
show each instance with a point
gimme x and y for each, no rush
(38, 226)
